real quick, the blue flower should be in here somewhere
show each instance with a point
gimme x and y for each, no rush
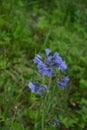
(43, 70)
(56, 61)
(62, 66)
(50, 62)
(59, 62)
(33, 86)
(37, 59)
(37, 87)
(63, 82)
(47, 51)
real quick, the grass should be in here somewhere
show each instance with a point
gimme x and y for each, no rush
(28, 28)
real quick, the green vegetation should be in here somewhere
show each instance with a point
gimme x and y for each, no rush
(26, 28)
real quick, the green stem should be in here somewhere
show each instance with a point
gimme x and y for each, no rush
(43, 105)
(44, 102)
(48, 94)
(42, 114)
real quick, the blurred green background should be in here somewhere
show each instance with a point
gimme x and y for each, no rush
(28, 27)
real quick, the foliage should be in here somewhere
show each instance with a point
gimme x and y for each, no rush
(27, 27)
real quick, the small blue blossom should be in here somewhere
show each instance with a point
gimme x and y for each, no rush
(37, 87)
(33, 86)
(57, 59)
(49, 62)
(63, 81)
(47, 51)
(37, 59)
(42, 89)
(43, 70)
(62, 66)
(59, 62)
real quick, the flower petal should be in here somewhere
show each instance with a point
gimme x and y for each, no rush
(63, 82)
(33, 86)
(37, 59)
(47, 51)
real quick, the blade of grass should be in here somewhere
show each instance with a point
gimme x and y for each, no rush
(46, 40)
(9, 100)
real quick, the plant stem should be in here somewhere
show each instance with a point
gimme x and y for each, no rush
(42, 106)
(44, 101)
(42, 114)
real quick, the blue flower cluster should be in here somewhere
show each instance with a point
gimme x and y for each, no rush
(51, 61)
(46, 68)
(36, 87)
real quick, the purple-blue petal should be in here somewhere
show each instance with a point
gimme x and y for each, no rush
(47, 51)
(37, 87)
(59, 62)
(37, 59)
(43, 70)
(62, 66)
(42, 89)
(48, 72)
(57, 59)
(48, 60)
(33, 86)
(63, 81)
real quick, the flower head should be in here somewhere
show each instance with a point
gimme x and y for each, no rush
(62, 66)
(37, 59)
(43, 70)
(63, 82)
(59, 62)
(37, 87)
(45, 67)
(47, 51)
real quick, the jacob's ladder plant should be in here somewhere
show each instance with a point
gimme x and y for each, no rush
(51, 68)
